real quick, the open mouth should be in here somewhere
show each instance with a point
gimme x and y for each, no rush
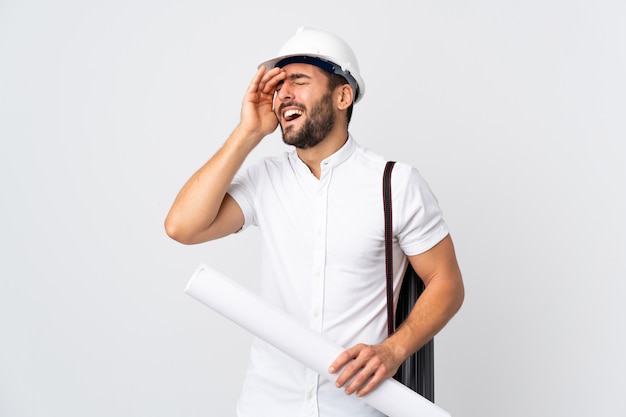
(292, 114)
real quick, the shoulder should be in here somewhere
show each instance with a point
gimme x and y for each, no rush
(405, 173)
(268, 165)
(408, 186)
(367, 160)
(367, 166)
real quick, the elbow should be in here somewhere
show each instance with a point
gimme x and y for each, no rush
(176, 231)
(459, 295)
(452, 293)
(461, 298)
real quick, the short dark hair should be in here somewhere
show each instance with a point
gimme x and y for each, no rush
(336, 80)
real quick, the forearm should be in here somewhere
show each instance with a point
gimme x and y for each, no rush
(201, 211)
(439, 302)
(442, 297)
(197, 205)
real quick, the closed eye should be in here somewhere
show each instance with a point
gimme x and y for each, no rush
(295, 79)
(299, 79)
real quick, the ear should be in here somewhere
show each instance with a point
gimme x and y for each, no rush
(345, 97)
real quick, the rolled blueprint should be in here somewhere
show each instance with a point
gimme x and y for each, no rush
(310, 348)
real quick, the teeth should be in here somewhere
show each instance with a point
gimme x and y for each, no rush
(293, 112)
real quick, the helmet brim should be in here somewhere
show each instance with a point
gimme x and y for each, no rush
(320, 61)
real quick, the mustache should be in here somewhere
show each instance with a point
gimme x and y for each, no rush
(290, 104)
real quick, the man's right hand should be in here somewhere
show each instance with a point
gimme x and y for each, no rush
(257, 112)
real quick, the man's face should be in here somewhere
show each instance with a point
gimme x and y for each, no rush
(304, 106)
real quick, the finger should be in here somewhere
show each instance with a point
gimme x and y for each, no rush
(359, 355)
(343, 358)
(253, 87)
(363, 375)
(270, 80)
(372, 383)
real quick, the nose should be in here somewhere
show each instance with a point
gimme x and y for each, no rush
(285, 92)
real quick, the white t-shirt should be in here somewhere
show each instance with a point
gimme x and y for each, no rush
(323, 262)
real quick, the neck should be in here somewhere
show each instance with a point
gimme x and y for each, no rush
(314, 156)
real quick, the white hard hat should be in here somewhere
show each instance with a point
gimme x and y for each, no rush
(323, 49)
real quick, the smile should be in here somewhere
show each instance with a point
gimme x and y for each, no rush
(292, 114)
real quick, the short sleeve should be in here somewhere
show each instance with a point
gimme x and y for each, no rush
(242, 190)
(418, 219)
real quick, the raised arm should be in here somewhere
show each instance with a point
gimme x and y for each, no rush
(202, 210)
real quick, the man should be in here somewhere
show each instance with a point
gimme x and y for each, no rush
(320, 213)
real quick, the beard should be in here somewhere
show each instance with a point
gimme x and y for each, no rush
(320, 122)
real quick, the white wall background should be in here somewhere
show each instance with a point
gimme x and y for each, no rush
(513, 111)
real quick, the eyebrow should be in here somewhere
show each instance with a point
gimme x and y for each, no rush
(295, 76)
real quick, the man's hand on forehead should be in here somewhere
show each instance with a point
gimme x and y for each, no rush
(271, 80)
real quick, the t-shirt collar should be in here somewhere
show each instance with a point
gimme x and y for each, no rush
(341, 155)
